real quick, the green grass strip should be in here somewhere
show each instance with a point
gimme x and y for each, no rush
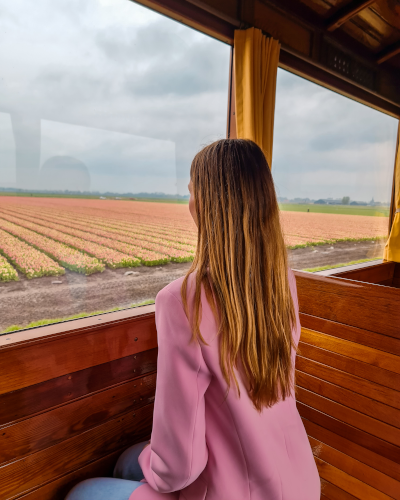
(338, 240)
(43, 322)
(343, 264)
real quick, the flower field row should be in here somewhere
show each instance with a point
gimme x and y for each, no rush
(151, 234)
(149, 253)
(138, 246)
(7, 272)
(63, 254)
(27, 259)
(112, 258)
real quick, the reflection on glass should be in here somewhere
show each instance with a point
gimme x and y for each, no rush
(333, 169)
(103, 105)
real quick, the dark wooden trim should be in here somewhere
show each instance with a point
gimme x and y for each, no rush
(29, 401)
(378, 274)
(317, 73)
(388, 53)
(347, 12)
(190, 14)
(332, 492)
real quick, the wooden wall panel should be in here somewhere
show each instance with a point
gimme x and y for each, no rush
(64, 422)
(45, 359)
(379, 274)
(352, 303)
(28, 401)
(46, 465)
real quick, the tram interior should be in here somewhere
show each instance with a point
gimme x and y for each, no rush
(74, 394)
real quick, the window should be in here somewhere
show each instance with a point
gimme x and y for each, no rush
(333, 169)
(103, 105)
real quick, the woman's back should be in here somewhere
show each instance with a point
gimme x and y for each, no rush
(209, 442)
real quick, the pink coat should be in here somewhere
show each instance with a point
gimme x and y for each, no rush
(205, 446)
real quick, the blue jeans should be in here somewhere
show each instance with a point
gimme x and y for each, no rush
(126, 478)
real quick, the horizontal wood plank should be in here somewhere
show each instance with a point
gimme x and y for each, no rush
(28, 401)
(351, 333)
(348, 483)
(332, 492)
(350, 432)
(33, 363)
(349, 365)
(358, 452)
(353, 350)
(44, 466)
(373, 274)
(352, 383)
(65, 422)
(57, 490)
(355, 469)
(353, 303)
(352, 417)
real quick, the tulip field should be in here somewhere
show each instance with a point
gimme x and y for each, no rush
(46, 236)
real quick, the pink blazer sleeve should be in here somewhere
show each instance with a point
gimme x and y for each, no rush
(178, 452)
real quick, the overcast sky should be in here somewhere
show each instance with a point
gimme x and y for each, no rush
(133, 96)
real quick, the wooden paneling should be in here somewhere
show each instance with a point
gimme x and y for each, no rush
(353, 303)
(45, 359)
(46, 465)
(379, 274)
(28, 401)
(65, 422)
(57, 490)
(332, 492)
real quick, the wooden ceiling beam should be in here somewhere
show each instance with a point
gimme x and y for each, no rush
(389, 52)
(347, 12)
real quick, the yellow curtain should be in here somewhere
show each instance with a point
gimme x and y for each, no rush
(256, 60)
(392, 248)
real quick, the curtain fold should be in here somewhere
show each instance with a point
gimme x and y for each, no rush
(392, 247)
(256, 59)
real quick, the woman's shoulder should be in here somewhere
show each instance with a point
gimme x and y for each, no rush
(172, 289)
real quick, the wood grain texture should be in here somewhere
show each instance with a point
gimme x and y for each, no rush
(65, 422)
(356, 469)
(352, 350)
(374, 274)
(28, 401)
(28, 473)
(353, 303)
(350, 432)
(347, 12)
(350, 365)
(58, 489)
(348, 483)
(355, 384)
(352, 417)
(351, 333)
(36, 362)
(353, 450)
(332, 492)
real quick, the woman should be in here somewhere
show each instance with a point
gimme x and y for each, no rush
(225, 423)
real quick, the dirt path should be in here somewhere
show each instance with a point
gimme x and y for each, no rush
(32, 300)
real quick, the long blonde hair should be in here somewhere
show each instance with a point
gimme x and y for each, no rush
(241, 261)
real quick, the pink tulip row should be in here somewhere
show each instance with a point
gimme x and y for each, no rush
(112, 258)
(27, 259)
(150, 252)
(66, 256)
(7, 272)
(152, 234)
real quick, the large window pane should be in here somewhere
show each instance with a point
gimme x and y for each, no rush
(103, 105)
(333, 169)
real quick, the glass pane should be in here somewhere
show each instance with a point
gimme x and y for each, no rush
(333, 169)
(103, 105)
